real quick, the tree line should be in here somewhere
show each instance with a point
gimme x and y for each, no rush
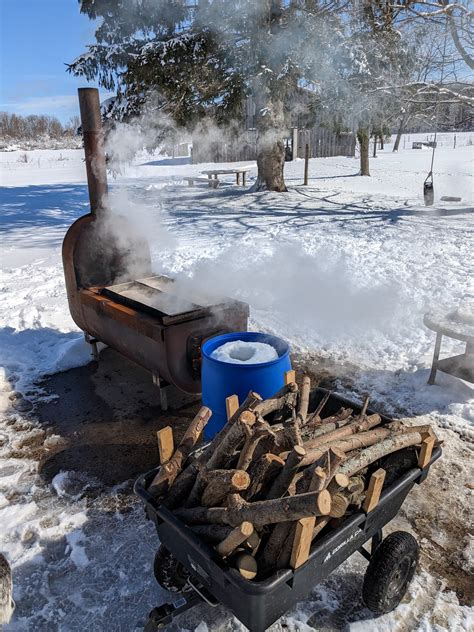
(35, 127)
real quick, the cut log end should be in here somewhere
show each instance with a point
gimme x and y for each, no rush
(323, 503)
(246, 565)
(235, 538)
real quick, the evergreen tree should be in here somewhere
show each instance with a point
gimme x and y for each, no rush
(203, 57)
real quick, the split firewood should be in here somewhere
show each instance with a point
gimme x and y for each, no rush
(302, 542)
(377, 451)
(231, 406)
(374, 490)
(303, 401)
(219, 483)
(285, 477)
(170, 470)
(165, 444)
(427, 445)
(236, 537)
(245, 564)
(290, 376)
(263, 471)
(261, 513)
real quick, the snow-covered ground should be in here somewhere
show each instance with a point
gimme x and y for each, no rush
(344, 268)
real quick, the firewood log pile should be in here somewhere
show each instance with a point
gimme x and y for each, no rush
(275, 476)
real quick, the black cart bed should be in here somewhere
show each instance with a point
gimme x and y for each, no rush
(257, 604)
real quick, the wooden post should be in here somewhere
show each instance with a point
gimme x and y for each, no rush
(427, 446)
(306, 163)
(294, 143)
(244, 173)
(290, 376)
(231, 405)
(165, 444)
(374, 490)
(302, 541)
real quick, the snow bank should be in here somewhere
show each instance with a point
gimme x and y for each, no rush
(244, 352)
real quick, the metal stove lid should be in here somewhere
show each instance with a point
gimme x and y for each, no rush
(157, 296)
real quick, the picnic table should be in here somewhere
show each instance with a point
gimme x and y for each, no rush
(213, 173)
(420, 144)
(460, 326)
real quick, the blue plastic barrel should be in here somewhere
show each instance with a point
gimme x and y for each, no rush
(221, 379)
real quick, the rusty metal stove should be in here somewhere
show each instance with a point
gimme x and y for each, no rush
(113, 295)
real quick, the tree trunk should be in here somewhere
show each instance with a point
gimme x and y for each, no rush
(363, 138)
(401, 129)
(270, 146)
(375, 146)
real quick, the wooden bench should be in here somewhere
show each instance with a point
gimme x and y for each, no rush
(214, 182)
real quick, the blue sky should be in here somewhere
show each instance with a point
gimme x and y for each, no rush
(37, 38)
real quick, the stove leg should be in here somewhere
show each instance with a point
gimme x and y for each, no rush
(434, 366)
(163, 395)
(93, 343)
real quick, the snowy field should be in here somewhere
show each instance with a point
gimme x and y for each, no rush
(343, 268)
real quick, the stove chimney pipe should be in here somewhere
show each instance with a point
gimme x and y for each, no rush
(93, 136)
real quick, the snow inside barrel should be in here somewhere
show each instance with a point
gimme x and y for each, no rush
(237, 363)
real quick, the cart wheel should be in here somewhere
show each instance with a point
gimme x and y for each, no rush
(390, 571)
(169, 573)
